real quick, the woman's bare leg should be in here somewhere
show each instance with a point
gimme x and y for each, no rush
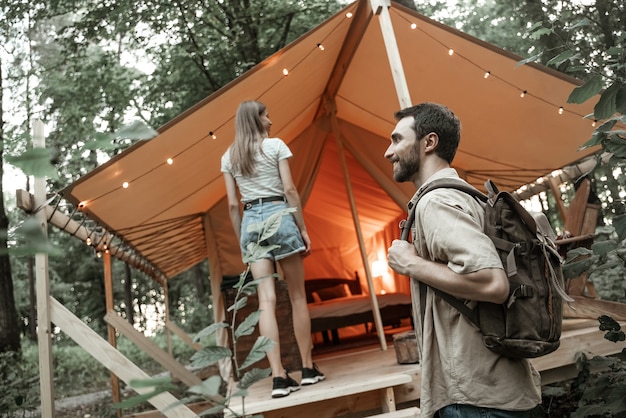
(268, 326)
(293, 270)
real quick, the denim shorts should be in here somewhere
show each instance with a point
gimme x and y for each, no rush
(470, 411)
(287, 237)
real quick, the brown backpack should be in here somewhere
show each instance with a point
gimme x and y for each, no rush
(529, 323)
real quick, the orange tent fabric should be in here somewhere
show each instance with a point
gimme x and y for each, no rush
(336, 104)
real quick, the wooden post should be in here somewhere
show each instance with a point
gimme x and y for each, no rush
(42, 285)
(109, 302)
(168, 333)
(219, 312)
(381, 8)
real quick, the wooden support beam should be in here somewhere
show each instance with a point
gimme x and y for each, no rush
(378, 322)
(182, 335)
(109, 302)
(42, 286)
(381, 8)
(25, 201)
(112, 359)
(153, 350)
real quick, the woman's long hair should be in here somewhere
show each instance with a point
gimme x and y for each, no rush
(249, 132)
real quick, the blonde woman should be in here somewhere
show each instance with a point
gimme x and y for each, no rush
(258, 167)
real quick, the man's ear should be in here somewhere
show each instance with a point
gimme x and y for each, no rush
(431, 141)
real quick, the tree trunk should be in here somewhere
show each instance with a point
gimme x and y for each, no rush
(9, 330)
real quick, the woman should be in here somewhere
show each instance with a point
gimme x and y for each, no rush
(258, 167)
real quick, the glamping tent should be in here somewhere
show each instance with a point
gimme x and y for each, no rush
(331, 95)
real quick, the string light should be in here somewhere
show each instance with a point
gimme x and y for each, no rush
(212, 135)
(349, 15)
(451, 52)
(487, 74)
(594, 122)
(523, 93)
(320, 46)
(82, 204)
(125, 185)
(561, 110)
(413, 25)
(88, 241)
(170, 161)
(285, 71)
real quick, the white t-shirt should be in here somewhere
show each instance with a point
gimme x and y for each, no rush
(266, 181)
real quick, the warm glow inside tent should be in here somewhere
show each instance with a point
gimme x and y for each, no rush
(331, 95)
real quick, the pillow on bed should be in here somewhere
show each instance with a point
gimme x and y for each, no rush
(339, 291)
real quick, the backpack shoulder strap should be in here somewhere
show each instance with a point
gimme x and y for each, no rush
(449, 183)
(471, 314)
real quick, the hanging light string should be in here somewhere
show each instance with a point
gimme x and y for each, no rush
(523, 92)
(318, 47)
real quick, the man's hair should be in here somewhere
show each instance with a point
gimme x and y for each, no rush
(433, 117)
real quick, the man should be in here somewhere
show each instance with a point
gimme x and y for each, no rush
(460, 376)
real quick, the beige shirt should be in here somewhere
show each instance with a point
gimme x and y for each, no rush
(456, 366)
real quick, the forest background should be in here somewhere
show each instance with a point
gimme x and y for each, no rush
(101, 75)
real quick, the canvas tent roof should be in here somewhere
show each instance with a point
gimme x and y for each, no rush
(335, 104)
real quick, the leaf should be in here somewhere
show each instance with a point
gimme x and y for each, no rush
(102, 141)
(239, 303)
(137, 400)
(615, 145)
(36, 242)
(209, 387)
(539, 33)
(210, 330)
(575, 269)
(256, 252)
(210, 355)
(607, 323)
(581, 23)
(253, 376)
(577, 252)
(606, 106)
(136, 130)
(261, 346)
(149, 383)
(35, 162)
(250, 287)
(247, 326)
(529, 59)
(620, 101)
(583, 93)
(614, 50)
(602, 248)
(561, 58)
(272, 224)
(619, 223)
(213, 410)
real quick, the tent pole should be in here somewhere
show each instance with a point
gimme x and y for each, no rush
(378, 322)
(108, 296)
(42, 282)
(381, 8)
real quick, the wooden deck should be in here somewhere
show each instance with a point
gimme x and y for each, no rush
(371, 382)
(368, 382)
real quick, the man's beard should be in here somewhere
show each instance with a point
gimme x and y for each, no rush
(406, 168)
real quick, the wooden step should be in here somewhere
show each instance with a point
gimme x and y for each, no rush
(400, 413)
(376, 373)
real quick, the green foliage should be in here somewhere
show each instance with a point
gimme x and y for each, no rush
(35, 162)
